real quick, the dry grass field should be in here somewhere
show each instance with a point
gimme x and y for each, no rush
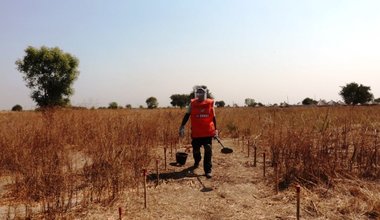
(67, 164)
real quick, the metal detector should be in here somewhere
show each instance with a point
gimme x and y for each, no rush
(225, 150)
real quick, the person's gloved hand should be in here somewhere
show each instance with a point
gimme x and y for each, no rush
(182, 131)
(216, 135)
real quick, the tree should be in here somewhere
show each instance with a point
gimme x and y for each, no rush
(353, 93)
(250, 102)
(180, 100)
(309, 101)
(17, 108)
(220, 104)
(49, 73)
(128, 106)
(377, 100)
(151, 102)
(113, 105)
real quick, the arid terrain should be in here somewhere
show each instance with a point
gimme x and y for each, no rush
(237, 191)
(103, 178)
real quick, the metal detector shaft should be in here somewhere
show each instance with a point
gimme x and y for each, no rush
(225, 150)
(217, 138)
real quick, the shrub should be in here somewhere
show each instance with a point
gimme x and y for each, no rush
(17, 108)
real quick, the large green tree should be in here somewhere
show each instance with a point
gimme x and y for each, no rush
(151, 102)
(49, 73)
(352, 93)
(180, 100)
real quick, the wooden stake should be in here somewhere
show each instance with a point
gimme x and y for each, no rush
(276, 177)
(254, 155)
(264, 164)
(242, 144)
(120, 214)
(157, 172)
(165, 156)
(144, 173)
(171, 150)
(248, 147)
(137, 187)
(298, 190)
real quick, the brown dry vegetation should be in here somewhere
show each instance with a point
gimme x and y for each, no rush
(59, 158)
(54, 162)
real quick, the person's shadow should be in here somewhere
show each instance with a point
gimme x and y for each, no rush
(175, 175)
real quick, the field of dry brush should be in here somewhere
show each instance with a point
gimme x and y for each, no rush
(53, 161)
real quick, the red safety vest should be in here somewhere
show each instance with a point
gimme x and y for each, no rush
(201, 115)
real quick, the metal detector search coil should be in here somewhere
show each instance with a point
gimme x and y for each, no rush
(225, 150)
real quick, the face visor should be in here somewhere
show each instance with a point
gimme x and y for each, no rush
(200, 93)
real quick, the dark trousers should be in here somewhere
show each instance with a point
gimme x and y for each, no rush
(206, 142)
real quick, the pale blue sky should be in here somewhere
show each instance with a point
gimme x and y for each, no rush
(272, 51)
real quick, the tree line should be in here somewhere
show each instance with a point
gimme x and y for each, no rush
(51, 72)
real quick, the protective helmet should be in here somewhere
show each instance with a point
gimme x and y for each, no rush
(200, 92)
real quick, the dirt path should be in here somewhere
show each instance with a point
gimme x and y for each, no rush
(237, 190)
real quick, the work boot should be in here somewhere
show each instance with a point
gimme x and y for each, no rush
(208, 175)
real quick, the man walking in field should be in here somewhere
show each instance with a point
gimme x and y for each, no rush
(203, 128)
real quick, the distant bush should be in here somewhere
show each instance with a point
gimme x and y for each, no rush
(250, 102)
(17, 108)
(113, 105)
(152, 102)
(309, 101)
(220, 104)
(77, 108)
